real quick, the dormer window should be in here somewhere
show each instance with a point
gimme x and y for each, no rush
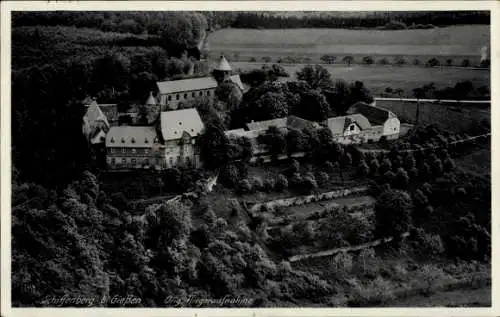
(112, 140)
(146, 140)
(123, 140)
(156, 140)
(185, 96)
(133, 140)
(180, 123)
(201, 93)
(192, 130)
(193, 94)
(351, 128)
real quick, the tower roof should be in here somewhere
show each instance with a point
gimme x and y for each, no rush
(151, 100)
(223, 64)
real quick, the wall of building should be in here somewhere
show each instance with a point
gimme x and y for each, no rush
(129, 158)
(391, 127)
(175, 100)
(355, 130)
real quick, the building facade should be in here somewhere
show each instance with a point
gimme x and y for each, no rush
(129, 147)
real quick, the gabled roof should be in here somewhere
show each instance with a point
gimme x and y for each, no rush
(94, 114)
(280, 123)
(223, 65)
(175, 123)
(374, 114)
(338, 125)
(236, 80)
(131, 136)
(173, 86)
(294, 122)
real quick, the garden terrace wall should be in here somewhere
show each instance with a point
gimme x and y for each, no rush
(301, 200)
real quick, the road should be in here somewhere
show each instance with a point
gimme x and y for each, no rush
(434, 100)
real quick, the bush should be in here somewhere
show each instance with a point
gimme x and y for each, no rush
(269, 184)
(416, 62)
(245, 186)
(281, 183)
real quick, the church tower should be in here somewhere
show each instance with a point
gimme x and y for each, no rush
(222, 70)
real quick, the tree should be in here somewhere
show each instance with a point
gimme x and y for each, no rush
(214, 147)
(363, 170)
(349, 59)
(400, 60)
(368, 60)
(393, 211)
(296, 141)
(281, 183)
(313, 106)
(432, 62)
(275, 140)
(449, 62)
(465, 63)
(317, 77)
(328, 59)
(399, 92)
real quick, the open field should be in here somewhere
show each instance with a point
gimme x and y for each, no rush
(477, 163)
(442, 116)
(453, 41)
(378, 77)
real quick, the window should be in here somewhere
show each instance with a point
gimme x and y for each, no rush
(178, 158)
(193, 94)
(201, 93)
(111, 150)
(169, 98)
(208, 92)
(123, 150)
(146, 161)
(134, 151)
(188, 161)
(134, 161)
(113, 161)
(185, 96)
(112, 140)
(180, 123)
(146, 151)
(124, 160)
(171, 160)
(133, 140)
(177, 96)
(351, 128)
(146, 140)
(123, 140)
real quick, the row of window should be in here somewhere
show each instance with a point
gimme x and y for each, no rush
(193, 95)
(147, 161)
(133, 151)
(133, 140)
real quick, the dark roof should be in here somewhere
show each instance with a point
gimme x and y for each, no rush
(374, 114)
(296, 123)
(339, 124)
(130, 136)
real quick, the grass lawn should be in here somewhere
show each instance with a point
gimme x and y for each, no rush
(453, 41)
(477, 163)
(442, 116)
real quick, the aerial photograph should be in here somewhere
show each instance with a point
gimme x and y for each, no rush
(250, 159)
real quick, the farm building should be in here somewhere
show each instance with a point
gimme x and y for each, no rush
(183, 93)
(364, 123)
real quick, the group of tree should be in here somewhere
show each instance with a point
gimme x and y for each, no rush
(461, 91)
(384, 20)
(256, 77)
(80, 240)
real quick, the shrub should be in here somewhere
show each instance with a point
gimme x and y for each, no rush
(485, 63)
(323, 178)
(245, 186)
(465, 63)
(368, 60)
(388, 90)
(393, 213)
(281, 183)
(269, 184)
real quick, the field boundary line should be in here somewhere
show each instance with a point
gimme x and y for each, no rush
(330, 252)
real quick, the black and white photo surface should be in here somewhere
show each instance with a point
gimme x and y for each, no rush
(250, 159)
